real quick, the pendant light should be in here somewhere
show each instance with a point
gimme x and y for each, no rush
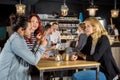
(92, 8)
(115, 12)
(64, 9)
(20, 8)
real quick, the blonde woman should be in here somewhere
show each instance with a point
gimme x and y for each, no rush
(98, 48)
(82, 37)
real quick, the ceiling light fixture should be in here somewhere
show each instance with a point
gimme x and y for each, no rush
(115, 12)
(20, 8)
(64, 9)
(92, 9)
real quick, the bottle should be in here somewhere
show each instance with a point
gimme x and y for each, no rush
(80, 17)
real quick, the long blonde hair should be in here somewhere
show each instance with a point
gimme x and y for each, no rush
(98, 29)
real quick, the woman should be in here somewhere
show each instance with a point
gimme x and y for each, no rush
(98, 48)
(15, 56)
(76, 46)
(37, 29)
(82, 37)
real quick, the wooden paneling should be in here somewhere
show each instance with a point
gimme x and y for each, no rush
(116, 55)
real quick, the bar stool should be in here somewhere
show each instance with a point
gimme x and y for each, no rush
(88, 75)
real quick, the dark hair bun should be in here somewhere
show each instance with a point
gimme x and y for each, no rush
(47, 26)
(20, 22)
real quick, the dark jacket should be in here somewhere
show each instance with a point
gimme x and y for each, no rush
(102, 54)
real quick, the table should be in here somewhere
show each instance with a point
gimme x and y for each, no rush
(52, 65)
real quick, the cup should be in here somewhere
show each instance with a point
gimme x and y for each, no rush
(58, 57)
(65, 57)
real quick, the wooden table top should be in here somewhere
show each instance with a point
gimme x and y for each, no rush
(47, 64)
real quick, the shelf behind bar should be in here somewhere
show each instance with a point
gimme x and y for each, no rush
(61, 20)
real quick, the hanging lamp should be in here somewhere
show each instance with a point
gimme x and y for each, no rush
(92, 9)
(64, 9)
(115, 12)
(20, 8)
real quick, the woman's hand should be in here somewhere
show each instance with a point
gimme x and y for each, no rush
(50, 48)
(43, 41)
(45, 56)
(38, 36)
(81, 55)
(53, 47)
(74, 57)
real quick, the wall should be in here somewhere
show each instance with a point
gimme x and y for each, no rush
(51, 6)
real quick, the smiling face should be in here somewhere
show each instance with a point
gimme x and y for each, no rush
(34, 23)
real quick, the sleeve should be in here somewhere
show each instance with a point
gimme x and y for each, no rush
(20, 48)
(59, 37)
(86, 49)
(100, 49)
(81, 42)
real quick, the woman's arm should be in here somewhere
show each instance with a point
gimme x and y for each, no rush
(81, 42)
(20, 48)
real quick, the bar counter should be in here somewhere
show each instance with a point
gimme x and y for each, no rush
(115, 47)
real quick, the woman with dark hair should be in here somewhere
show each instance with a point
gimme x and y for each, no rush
(37, 29)
(15, 57)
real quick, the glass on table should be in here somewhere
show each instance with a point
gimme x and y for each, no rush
(65, 57)
(58, 57)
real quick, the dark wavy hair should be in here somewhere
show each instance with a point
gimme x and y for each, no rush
(39, 29)
(46, 27)
(21, 21)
